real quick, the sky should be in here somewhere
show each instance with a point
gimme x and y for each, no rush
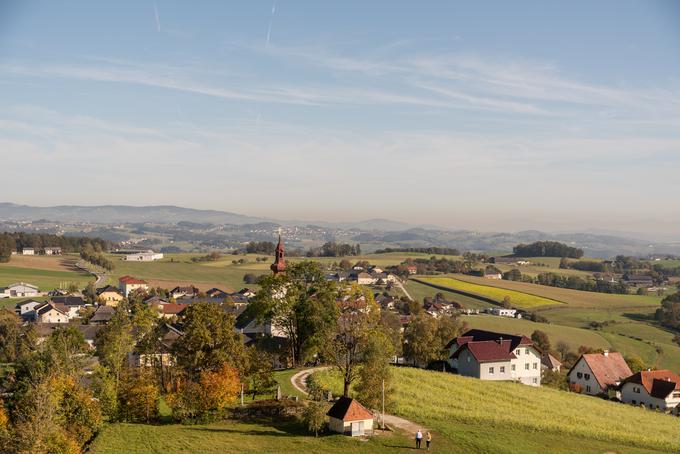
(494, 116)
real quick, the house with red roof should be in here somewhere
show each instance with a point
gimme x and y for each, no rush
(128, 284)
(347, 416)
(488, 355)
(598, 373)
(653, 389)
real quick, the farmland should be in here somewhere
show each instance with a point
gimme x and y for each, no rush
(517, 298)
(45, 272)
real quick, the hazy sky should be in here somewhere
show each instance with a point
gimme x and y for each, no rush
(487, 115)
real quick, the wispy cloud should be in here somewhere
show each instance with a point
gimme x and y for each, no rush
(158, 19)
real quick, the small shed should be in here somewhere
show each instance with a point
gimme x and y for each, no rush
(349, 417)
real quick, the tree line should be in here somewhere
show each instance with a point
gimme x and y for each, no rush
(333, 249)
(570, 282)
(424, 250)
(547, 249)
(90, 254)
(16, 241)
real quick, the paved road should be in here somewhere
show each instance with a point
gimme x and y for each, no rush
(299, 382)
(101, 278)
(403, 289)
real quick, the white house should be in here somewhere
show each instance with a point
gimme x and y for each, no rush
(503, 312)
(20, 290)
(653, 389)
(598, 373)
(28, 251)
(364, 278)
(52, 251)
(49, 313)
(496, 356)
(349, 417)
(148, 256)
(27, 308)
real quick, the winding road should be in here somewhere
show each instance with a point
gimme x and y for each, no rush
(101, 278)
(299, 382)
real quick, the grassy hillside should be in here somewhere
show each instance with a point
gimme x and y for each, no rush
(45, 279)
(517, 299)
(419, 291)
(470, 415)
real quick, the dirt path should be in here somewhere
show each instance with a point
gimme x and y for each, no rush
(299, 382)
(403, 289)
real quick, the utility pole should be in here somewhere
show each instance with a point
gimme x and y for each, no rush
(383, 404)
(242, 394)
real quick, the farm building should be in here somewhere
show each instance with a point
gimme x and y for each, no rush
(19, 290)
(28, 251)
(51, 251)
(349, 417)
(598, 373)
(148, 256)
(653, 389)
(503, 312)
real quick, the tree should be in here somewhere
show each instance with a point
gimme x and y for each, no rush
(635, 363)
(259, 377)
(562, 349)
(209, 341)
(420, 344)
(114, 342)
(250, 278)
(541, 340)
(138, 397)
(315, 417)
(506, 303)
(391, 326)
(374, 370)
(301, 303)
(357, 323)
(15, 339)
(7, 246)
(64, 351)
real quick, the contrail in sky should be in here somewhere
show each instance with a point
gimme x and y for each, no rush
(158, 19)
(271, 22)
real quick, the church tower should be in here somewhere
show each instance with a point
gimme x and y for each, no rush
(279, 265)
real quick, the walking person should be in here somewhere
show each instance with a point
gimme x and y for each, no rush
(419, 438)
(428, 440)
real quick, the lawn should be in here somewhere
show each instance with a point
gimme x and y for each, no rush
(574, 337)
(517, 298)
(574, 298)
(470, 415)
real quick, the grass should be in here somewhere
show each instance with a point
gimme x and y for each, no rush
(574, 337)
(45, 279)
(419, 291)
(574, 298)
(517, 299)
(503, 417)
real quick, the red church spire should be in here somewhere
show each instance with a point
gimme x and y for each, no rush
(279, 265)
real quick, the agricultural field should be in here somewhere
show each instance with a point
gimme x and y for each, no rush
(47, 272)
(517, 298)
(419, 291)
(463, 412)
(574, 337)
(575, 298)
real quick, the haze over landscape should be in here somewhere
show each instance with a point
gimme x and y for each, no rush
(464, 116)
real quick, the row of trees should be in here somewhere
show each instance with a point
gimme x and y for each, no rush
(16, 241)
(333, 249)
(95, 257)
(424, 250)
(547, 249)
(570, 282)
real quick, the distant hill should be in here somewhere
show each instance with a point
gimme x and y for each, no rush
(111, 214)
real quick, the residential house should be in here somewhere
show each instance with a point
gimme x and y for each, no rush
(162, 357)
(170, 310)
(496, 356)
(248, 293)
(20, 290)
(598, 373)
(653, 389)
(549, 362)
(349, 417)
(387, 302)
(364, 278)
(72, 305)
(412, 269)
(251, 327)
(503, 312)
(28, 251)
(437, 309)
(187, 291)
(44, 330)
(638, 280)
(155, 299)
(102, 315)
(109, 296)
(128, 284)
(26, 309)
(216, 293)
(492, 275)
(50, 313)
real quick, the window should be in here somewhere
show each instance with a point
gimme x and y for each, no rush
(587, 376)
(535, 381)
(526, 366)
(535, 366)
(490, 370)
(634, 402)
(512, 368)
(526, 350)
(676, 395)
(468, 358)
(579, 375)
(518, 352)
(636, 389)
(502, 369)
(588, 388)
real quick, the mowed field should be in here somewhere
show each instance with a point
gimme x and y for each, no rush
(518, 299)
(574, 298)
(470, 415)
(47, 272)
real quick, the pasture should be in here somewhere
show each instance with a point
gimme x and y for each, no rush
(46, 272)
(517, 298)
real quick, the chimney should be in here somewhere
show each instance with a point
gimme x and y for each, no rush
(500, 340)
(605, 353)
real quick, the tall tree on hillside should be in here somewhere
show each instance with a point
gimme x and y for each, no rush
(375, 372)
(541, 340)
(357, 322)
(301, 303)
